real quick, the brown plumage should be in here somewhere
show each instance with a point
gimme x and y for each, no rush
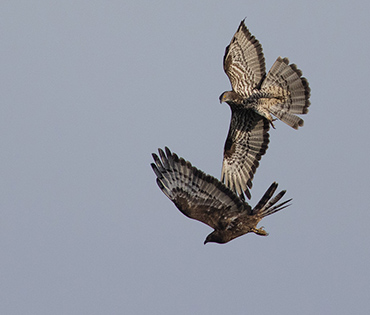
(254, 98)
(204, 198)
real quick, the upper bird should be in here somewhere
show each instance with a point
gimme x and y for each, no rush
(254, 97)
(204, 198)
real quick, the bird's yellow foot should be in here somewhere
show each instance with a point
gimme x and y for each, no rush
(260, 231)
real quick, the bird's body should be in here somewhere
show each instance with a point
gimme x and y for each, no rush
(254, 99)
(204, 198)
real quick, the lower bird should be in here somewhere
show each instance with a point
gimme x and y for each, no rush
(204, 198)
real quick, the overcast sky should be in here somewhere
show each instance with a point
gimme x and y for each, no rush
(89, 89)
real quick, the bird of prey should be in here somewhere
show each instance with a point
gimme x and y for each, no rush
(254, 97)
(204, 198)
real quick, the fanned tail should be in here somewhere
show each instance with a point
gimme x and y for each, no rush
(285, 83)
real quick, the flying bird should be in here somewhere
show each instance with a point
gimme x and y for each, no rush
(204, 198)
(254, 98)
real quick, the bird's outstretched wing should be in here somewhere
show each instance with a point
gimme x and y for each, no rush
(244, 62)
(245, 144)
(197, 195)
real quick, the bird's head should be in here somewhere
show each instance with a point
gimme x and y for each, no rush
(229, 97)
(222, 97)
(216, 237)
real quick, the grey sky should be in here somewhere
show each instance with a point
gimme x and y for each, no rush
(89, 89)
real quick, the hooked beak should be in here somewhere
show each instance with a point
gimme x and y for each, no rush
(221, 98)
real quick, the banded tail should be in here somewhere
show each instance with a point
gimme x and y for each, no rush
(285, 82)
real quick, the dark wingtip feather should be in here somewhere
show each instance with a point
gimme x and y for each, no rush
(160, 185)
(161, 154)
(157, 161)
(266, 197)
(164, 159)
(271, 208)
(156, 170)
(277, 208)
(168, 151)
(272, 188)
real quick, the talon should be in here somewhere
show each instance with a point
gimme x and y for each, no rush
(271, 123)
